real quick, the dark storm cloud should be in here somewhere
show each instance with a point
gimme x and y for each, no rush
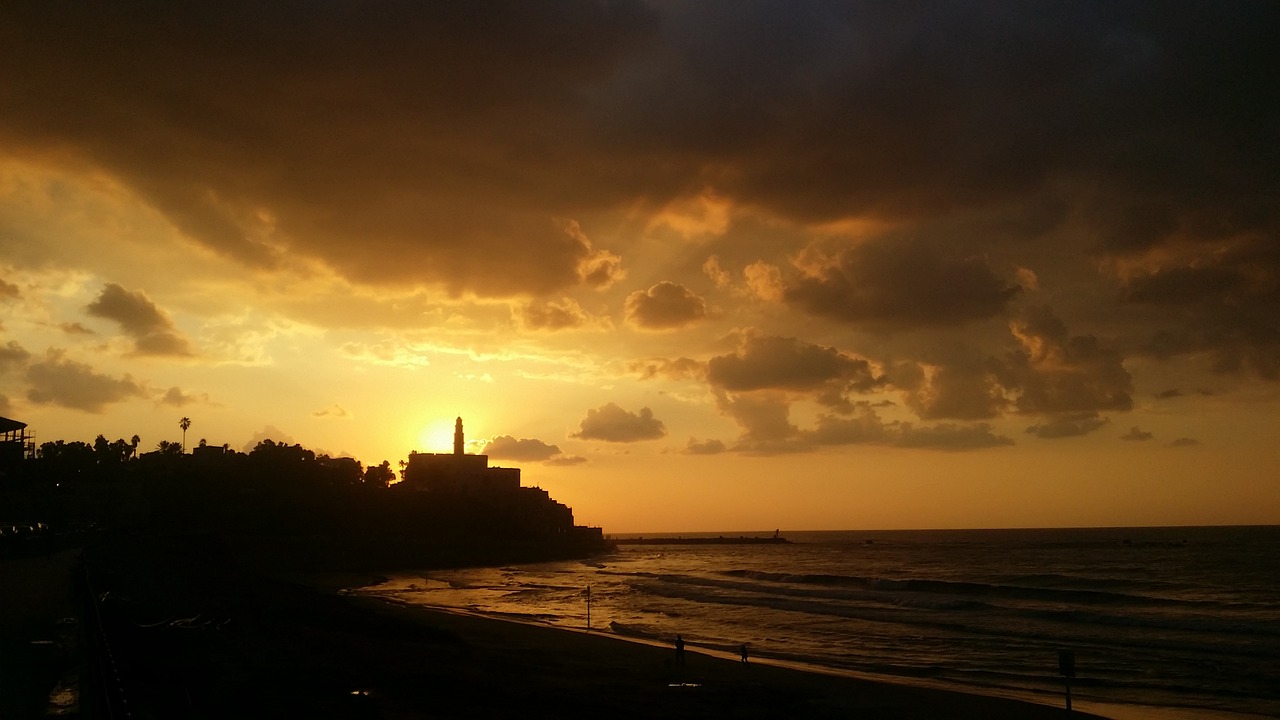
(152, 331)
(57, 380)
(613, 424)
(455, 143)
(893, 284)
(398, 142)
(665, 306)
(784, 363)
(1222, 300)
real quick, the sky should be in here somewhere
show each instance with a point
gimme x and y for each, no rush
(691, 266)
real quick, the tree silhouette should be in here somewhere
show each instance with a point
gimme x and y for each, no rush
(184, 423)
(133, 442)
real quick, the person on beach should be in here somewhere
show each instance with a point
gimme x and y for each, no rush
(743, 651)
(679, 650)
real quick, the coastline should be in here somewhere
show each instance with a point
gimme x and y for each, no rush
(203, 639)
(912, 697)
(627, 677)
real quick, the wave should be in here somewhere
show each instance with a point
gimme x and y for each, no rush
(636, 631)
(1069, 596)
(1202, 631)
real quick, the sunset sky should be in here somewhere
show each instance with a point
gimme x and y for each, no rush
(692, 266)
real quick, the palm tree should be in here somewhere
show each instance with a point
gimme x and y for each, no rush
(184, 423)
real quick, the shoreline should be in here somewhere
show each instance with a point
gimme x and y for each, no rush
(203, 638)
(1083, 708)
(709, 679)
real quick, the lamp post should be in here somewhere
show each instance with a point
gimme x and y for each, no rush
(1067, 668)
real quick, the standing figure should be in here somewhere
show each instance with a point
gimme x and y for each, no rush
(679, 650)
(743, 651)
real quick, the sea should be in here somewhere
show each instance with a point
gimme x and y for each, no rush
(1161, 623)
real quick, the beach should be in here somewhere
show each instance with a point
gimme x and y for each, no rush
(207, 638)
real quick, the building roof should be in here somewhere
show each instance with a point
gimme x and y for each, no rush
(7, 425)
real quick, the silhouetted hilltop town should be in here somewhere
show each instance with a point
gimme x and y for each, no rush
(284, 507)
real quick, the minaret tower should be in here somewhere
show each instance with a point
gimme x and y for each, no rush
(457, 437)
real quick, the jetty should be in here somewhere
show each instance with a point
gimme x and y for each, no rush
(719, 540)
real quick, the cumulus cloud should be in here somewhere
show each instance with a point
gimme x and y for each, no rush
(764, 280)
(1066, 426)
(894, 283)
(334, 411)
(864, 427)
(563, 314)
(677, 369)
(764, 422)
(152, 331)
(1137, 434)
(566, 460)
(268, 432)
(613, 424)
(665, 306)
(704, 447)
(13, 355)
(175, 397)
(717, 274)
(766, 429)
(57, 380)
(1055, 372)
(9, 291)
(785, 363)
(1220, 298)
(506, 447)
(947, 436)
(963, 387)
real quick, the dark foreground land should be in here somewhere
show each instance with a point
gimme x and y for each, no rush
(188, 632)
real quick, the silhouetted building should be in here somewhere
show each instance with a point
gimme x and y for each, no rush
(459, 476)
(15, 444)
(458, 472)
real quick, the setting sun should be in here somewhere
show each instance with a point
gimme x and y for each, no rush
(436, 437)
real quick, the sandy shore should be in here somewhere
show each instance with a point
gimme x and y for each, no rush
(554, 672)
(199, 639)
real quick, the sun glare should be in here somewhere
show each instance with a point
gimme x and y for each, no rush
(436, 438)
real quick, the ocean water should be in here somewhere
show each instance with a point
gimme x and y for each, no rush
(1173, 618)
